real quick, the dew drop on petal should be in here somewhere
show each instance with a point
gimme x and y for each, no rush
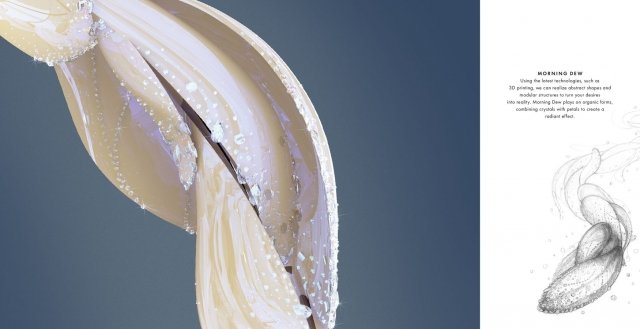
(302, 310)
(239, 139)
(191, 87)
(217, 133)
(255, 191)
(184, 128)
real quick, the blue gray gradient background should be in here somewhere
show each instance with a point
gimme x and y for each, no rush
(396, 84)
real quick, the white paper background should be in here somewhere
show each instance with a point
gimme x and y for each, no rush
(520, 152)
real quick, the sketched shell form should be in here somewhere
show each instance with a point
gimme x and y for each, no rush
(590, 270)
(582, 284)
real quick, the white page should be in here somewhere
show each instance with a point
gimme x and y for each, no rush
(523, 237)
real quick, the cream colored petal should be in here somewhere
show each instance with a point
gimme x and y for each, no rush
(123, 141)
(137, 77)
(219, 91)
(240, 281)
(316, 245)
(226, 98)
(246, 95)
(270, 128)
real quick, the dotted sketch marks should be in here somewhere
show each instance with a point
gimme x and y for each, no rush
(590, 270)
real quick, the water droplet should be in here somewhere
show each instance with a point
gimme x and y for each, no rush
(191, 87)
(82, 4)
(217, 133)
(302, 310)
(184, 128)
(239, 139)
(255, 195)
(176, 152)
(296, 184)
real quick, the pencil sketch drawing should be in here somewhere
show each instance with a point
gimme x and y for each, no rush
(589, 271)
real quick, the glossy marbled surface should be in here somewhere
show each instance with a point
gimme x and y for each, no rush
(415, 197)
